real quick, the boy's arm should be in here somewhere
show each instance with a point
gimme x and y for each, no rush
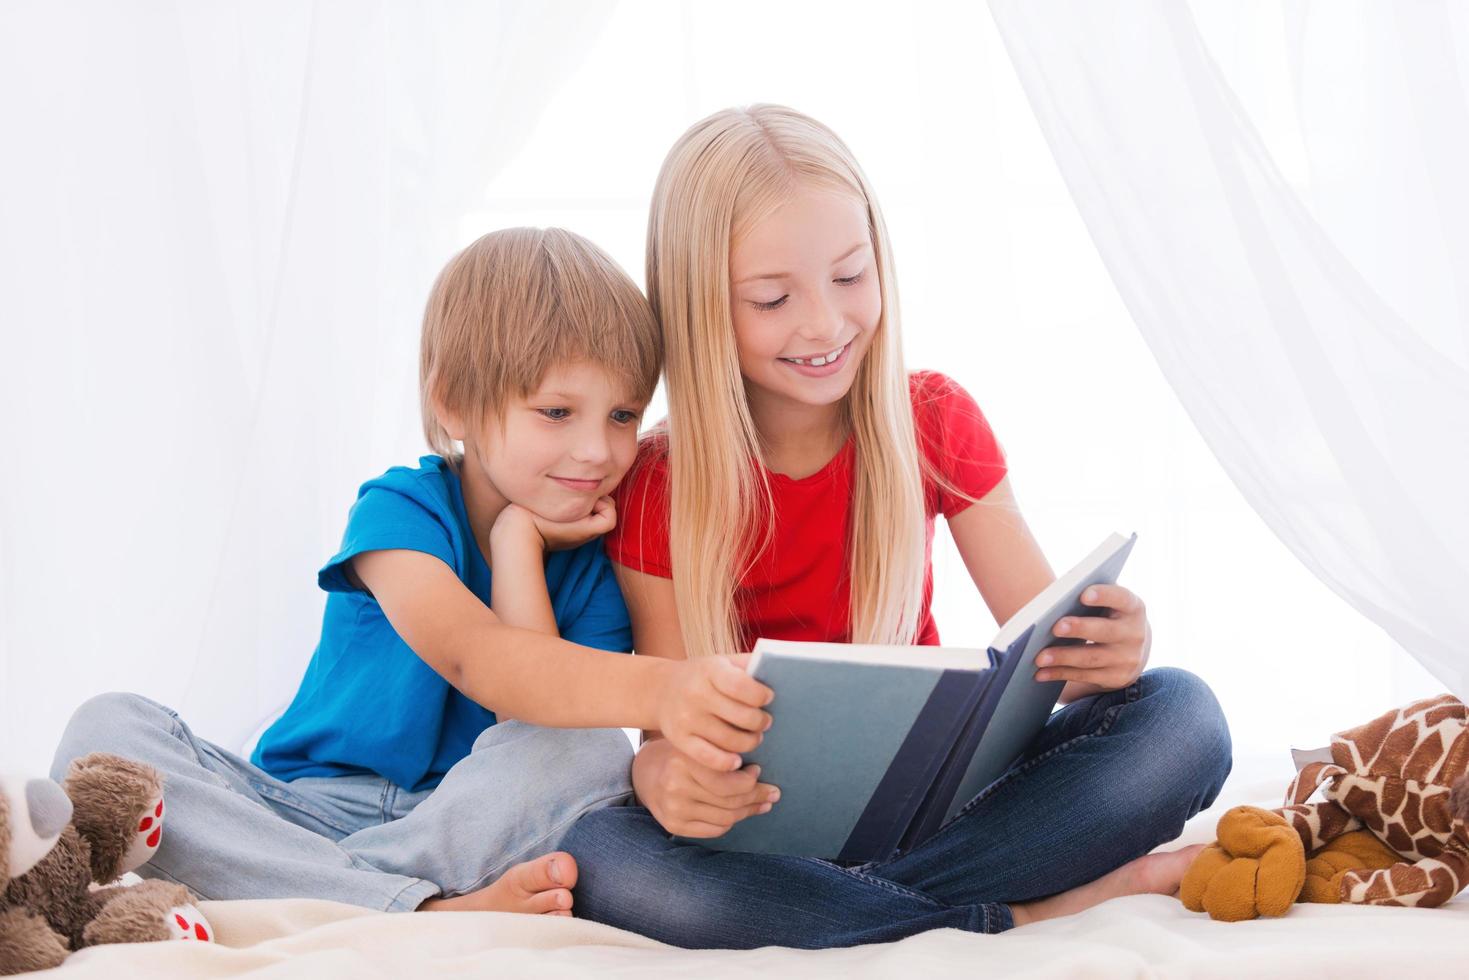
(710, 708)
(518, 593)
(685, 797)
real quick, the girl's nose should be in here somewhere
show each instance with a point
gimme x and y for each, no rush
(825, 324)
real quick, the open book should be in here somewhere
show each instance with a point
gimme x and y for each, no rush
(875, 748)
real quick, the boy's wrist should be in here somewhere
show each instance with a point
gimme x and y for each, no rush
(515, 528)
(653, 692)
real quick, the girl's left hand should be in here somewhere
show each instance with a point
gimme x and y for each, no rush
(1119, 645)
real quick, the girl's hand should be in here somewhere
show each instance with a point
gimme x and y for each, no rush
(1119, 645)
(556, 535)
(709, 708)
(691, 800)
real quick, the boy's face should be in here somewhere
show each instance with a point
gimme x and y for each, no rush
(562, 447)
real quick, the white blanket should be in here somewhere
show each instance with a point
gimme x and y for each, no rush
(1130, 937)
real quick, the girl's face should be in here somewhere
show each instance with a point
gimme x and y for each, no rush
(806, 300)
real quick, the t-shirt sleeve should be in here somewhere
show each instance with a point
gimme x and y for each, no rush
(640, 539)
(603, 622)
(957, 441)
(385, 518)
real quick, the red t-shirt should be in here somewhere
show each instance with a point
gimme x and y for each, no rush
(799, 588)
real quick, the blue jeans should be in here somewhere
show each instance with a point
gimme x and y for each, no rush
(1109, 778)
(232, 830)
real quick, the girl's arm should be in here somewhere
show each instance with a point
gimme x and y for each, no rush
(710, 707)
(685, 797)
(1006, 563)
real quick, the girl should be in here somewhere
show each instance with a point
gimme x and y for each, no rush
(792, 494)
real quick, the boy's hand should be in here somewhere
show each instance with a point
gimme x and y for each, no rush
(557, 535)
(691, 800)
(1120, 643)
(709, 708)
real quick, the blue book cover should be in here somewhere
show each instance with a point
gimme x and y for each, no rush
(874, 748)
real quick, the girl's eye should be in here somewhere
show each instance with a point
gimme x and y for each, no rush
(852, 280)
(554, 414)
(622, 416)
(773, 304)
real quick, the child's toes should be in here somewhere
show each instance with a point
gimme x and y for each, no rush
(556, 901)
(545, 873)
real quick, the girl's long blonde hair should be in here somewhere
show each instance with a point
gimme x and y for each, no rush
(722, 177)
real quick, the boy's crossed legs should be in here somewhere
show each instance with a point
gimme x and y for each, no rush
(477, 841)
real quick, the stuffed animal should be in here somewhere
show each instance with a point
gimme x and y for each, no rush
(55, 842)
(1393, 828)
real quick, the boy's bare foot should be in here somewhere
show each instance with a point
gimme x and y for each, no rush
(1151, 874)
(540, 886)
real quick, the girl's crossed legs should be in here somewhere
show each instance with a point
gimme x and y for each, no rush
(1109, 778)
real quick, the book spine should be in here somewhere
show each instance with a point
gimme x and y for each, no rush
(931, 814)
(891, 808)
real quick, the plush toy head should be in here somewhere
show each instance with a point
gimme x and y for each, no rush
(1405, 777)
(57, 844)
(1393, 828)
(33, 814)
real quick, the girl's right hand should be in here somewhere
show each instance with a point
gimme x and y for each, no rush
(709, 709)
(691, 800)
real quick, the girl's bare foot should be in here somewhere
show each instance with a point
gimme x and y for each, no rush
(1151, 874)
(540, 886)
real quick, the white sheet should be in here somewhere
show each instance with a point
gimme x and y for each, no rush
(1130, 937)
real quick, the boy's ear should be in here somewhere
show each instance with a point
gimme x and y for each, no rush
(452, 421)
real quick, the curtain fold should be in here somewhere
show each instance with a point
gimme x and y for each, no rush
(220, 222)
(1279, 194)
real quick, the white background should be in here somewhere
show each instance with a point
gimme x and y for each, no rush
(1001, 288)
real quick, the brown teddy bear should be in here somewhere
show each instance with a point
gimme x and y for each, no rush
(55, 842)
(1393, 828)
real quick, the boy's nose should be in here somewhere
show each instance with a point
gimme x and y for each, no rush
(592, 449)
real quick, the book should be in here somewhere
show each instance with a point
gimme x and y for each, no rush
(875, 748)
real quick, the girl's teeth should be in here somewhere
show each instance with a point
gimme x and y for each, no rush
(821, 361)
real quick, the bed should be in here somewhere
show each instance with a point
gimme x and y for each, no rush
(1130, 937)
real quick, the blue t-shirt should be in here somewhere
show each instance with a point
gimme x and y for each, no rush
(367, 702)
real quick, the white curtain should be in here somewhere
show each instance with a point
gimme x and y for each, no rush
(1281, 195)
(218, 224)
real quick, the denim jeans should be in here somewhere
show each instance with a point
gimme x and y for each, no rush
(232, 830)
(1109, 778)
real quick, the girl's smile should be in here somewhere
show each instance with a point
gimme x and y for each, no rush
(820, 365)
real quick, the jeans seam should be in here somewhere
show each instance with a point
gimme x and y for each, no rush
(297, 802)
(884, 883)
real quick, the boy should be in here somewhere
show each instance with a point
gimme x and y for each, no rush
(469, 606)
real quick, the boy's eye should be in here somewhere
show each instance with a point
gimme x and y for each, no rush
(773, 304)
(555, 414)
(623, 416)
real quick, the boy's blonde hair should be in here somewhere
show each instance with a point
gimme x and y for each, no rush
(517, 302)
(723, 176)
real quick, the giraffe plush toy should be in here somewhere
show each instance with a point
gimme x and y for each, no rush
(1393, 828)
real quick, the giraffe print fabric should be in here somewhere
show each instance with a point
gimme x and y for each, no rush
(1405, 777)
(1390, 828)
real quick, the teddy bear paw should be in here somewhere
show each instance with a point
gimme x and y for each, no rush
(187, 922)
(1256, 867)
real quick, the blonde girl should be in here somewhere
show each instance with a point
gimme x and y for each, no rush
(792, 493)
